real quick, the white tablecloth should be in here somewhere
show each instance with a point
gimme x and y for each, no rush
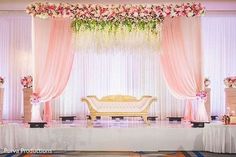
(75, 138)
(219, 138)
(214, 138)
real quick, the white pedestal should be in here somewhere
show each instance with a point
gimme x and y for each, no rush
(208, 103)
(36, 116)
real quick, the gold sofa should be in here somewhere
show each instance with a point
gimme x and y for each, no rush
(119, 105)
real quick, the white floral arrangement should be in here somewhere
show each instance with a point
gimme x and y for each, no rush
(230, 82)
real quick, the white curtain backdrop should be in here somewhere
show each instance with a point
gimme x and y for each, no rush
(105, 74)
(15, 59)
(219, 46)
(116, 73)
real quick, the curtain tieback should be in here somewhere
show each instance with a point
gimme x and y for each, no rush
(201, 95)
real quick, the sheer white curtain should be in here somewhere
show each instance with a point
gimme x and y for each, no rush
(15, 59)
(110, 73)
(133, 74)
(219, 46)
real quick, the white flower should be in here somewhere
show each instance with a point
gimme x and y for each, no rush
(111, 12)
(234, 84)
(135, 14)
(105, 13)
(164, 14)
(190, 14)
(173, 14)
(96, 14)
(43, 16)
(142, 15)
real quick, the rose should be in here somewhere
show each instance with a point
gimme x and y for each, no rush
(65, 10)
(202, 95)
(234, 84)
(142, 15)
(227, 82)
(27, 81)
(34, 98)
(135, 14)
(230, 81)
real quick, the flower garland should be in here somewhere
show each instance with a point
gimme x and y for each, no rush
(113, 17)
(27, 81)
(230, 82)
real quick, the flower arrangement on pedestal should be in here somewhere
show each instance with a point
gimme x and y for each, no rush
(230, 82)
(202, 95)
(27, 81)
(226, 119)
(1, 81)
(207, 82)
(228, 116)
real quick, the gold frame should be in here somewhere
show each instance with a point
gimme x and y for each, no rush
(118, 98)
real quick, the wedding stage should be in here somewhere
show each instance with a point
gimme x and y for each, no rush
(103, 136)
(121, 70)
(109, 135)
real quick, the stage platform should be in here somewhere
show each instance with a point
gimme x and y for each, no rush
(112, 135)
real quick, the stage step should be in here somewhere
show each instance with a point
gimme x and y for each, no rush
(37, 124)
(175, 119)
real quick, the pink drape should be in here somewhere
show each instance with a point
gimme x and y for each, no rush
(181, 62)
(53, 58)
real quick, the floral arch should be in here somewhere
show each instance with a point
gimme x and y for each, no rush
(181, 60)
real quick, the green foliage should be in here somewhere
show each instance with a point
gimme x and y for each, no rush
(113, 26)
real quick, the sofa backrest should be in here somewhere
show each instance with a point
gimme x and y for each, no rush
(118, 98)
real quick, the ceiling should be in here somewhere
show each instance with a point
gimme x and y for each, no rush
(211, 5)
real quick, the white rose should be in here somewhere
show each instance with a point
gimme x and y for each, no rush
(135, 14)
(142, 15)
(173, 14)
(190, 14)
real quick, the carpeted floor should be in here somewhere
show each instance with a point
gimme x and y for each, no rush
(124, 154)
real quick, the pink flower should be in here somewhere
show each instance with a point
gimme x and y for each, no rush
(202, 94)
(114, 12)
(34, 98)
(234, 83)
(230, 81)
(135, 14)
(26, 81)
